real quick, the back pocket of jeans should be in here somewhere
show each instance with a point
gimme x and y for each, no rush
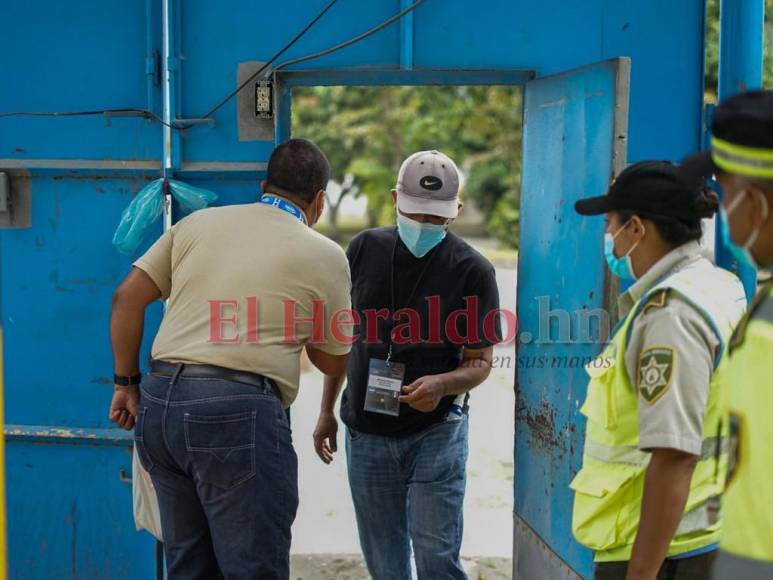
(221, 447)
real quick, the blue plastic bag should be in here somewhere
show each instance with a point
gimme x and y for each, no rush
(148, 205)
(191, 198)
(139, 215)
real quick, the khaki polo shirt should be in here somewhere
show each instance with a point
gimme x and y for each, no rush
(675, 419)
(231, 274)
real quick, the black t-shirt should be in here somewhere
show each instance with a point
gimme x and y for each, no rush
(452, 271)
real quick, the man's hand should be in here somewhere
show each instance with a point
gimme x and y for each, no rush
(424, 394)
(124, 406)
(126, 325)
(325, 433)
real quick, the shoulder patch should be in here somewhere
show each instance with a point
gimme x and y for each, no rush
(656, 300)
(655, 372)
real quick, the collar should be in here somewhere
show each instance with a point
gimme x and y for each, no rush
(676, 259)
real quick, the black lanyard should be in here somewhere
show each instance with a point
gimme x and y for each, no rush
(432, 253)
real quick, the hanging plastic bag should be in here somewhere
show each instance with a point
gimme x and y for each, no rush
(148, 205)
(146, 513)
(140, 214)
(191, 198)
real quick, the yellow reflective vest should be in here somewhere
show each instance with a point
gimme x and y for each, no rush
(609, 487)
(747, 505)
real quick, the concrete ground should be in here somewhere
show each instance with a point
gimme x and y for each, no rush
(351, 567)
(325, 541)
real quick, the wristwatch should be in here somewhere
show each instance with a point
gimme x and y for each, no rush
(125, 381)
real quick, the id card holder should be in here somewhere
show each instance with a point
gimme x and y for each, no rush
(385, 382)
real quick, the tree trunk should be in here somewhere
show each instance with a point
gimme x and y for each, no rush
(332, 219)
(334, 209)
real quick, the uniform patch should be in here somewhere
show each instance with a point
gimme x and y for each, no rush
(655, 373)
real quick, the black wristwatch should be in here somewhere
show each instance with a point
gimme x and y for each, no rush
(125, 381)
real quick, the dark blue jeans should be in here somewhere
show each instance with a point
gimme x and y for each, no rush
(410, 491)
(221, 458)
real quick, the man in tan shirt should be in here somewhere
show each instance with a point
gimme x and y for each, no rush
(248, 287)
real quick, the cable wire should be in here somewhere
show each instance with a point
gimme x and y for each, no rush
(139, 112)
(150, 114)
(351, 41)
(269, 62)
(174, 125)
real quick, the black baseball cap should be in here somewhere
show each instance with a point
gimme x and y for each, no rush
(741, 138)
(653, 188)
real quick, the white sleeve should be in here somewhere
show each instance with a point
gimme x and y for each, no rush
(670, 360)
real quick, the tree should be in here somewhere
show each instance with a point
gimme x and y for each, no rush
(712, 47)
(333, 118)
(368, 131)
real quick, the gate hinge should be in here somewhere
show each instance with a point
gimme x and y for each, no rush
(153, 66)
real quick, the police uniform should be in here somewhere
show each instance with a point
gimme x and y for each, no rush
(747, 543)
(658, 389)
(742, 144)
(655, 386)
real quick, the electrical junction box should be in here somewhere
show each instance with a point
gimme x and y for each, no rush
(264, 100)
(254, 104)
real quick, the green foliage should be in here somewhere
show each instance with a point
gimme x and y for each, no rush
(767, 67)
(367, 132)
(504, 222)
(712, 47)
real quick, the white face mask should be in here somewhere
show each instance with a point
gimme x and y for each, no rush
(743, 252)
(317, 215)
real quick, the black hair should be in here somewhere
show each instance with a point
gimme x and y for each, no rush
(678, 230)
(298, 168)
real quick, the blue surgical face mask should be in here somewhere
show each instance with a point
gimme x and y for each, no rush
(419, 237)
(741, 253)
(621, 267)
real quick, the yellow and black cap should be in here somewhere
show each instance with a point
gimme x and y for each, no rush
(741, 138)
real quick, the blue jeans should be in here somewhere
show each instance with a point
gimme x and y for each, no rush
(410, 490)
(221, 458)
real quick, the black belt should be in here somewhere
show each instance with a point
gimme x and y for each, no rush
(196, 371)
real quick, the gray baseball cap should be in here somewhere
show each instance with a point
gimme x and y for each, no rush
(428, 182)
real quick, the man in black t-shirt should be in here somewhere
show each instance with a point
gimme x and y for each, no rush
(426, 317)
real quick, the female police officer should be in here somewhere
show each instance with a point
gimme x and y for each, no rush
(654, 460)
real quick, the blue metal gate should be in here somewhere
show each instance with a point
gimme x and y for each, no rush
(574, 142)
(69, 501)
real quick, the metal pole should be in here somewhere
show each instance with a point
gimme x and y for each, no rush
(167, 129)
(741, 46)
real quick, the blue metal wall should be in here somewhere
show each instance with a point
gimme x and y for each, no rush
(69, 506)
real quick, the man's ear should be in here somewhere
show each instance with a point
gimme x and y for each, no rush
(394, 197)
(321, 200)
(263, 185)
(459, 207)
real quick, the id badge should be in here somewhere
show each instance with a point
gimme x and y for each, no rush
(385, 381)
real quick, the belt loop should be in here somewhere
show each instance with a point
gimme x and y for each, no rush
(176, 374)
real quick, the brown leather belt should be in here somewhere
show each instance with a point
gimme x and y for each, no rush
(196, 371)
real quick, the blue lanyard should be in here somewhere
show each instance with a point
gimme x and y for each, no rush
(284, 205)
